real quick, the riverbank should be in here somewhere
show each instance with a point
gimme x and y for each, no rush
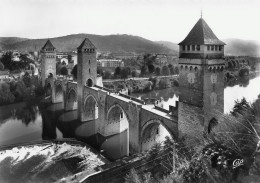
(140, 85)
(232, 78)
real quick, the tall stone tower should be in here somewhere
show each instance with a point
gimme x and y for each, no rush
(48, 61)
(86, 70)
(201, 78)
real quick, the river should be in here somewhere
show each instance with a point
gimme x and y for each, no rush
(23, 122)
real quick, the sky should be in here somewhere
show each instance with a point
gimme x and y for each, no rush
(167, 20)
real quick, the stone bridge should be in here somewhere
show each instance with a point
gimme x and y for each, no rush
(114, 113)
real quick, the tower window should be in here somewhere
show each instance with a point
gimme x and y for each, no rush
(157, 131)
(198, 48)
(193, 47)
(208, 47)
(188, 47)
(89, 70)
(89, 61)
(183, 47)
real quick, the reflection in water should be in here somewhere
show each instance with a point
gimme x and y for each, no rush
(27, 114)
(237, 92)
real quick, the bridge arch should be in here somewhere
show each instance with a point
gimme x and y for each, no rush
(48, 90)
(72, 99)
(58, 93)
(117, 120)
(90, 108)
(117, 132)
(153, 131)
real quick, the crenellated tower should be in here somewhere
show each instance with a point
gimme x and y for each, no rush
(201, 80)
(48, 61)
(86, 71)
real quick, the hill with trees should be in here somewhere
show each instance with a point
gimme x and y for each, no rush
(111, 43)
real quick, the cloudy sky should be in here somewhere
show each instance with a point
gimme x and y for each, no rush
(168, 20)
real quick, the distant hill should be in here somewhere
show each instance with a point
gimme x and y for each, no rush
(5, 41)
(239, 47)
(122, 43)
(234, 47)
(112, 43)
(170, 45)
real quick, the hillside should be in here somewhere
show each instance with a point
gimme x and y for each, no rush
(170, 45)
(239, 47)
(5, 41)
(235, 47)
(112, 43)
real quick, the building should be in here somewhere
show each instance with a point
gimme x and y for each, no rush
(201, 79)
(124, 55)
(110, 63)
(48, 61)
(4, 75)
(60, 55)
(161, 60)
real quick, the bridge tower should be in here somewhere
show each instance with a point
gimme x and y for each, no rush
(86, 72)
(48, 61)
(201, 78)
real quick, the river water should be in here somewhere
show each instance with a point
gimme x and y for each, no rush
(25, 122)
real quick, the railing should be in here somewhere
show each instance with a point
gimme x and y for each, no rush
(132, 98)
(103, 88)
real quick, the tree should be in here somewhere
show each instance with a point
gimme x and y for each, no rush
(2, 67)
(158, 71)
(165, 70)
(144, 70)
(134, 73)
(171, 68)
(58, 68)
(7, 60)
(117, 71)
(240, 107)
(64, 71)
(107, 74)
(151, 68)
(27, 79)
(99, 71)
(74, 72)
(125, 72)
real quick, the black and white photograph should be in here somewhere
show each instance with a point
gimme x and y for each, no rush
(130, 91)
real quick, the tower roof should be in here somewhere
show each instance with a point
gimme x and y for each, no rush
(48, 45)
(201, 34)
(86, 44)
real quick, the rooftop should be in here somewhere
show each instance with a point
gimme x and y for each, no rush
(201, 34)
(86, 44)
(48, 45)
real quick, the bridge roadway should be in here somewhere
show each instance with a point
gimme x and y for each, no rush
(115, 113)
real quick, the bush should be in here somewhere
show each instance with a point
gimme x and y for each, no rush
(165, 70)
(74, 72)
(64, 71)
(158, 71)
(107, 75)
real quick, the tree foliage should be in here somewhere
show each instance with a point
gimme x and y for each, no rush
(117, 71)
(74, 72)
(165, 70)
(144, 70)
(107, 74)
(158, 71)
(64, 71)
